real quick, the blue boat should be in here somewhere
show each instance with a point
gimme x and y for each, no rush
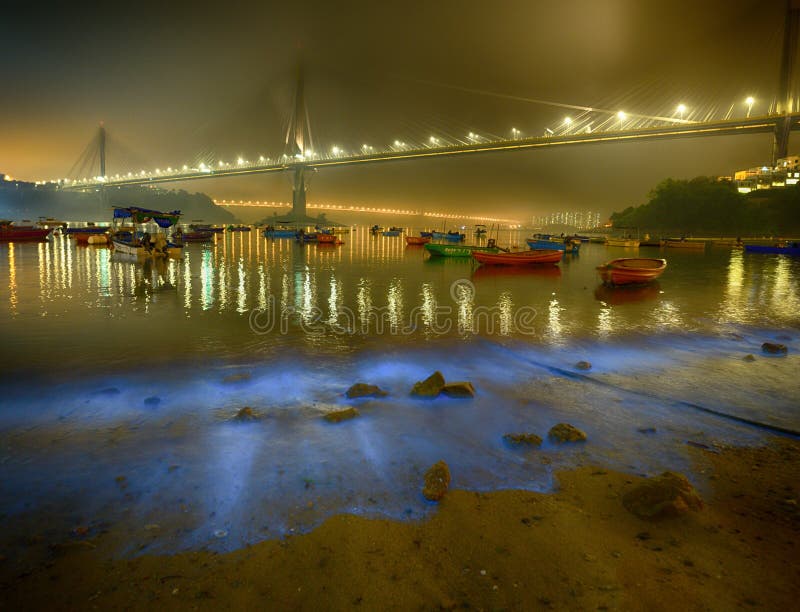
(438, 235)
(427, 234)
(573, 247)
(391, 233)
(280, 233)
(792, 249)
(454, 237)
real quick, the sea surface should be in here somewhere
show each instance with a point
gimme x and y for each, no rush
(120, 380)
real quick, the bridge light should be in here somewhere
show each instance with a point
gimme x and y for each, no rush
(681, 109)
(185, 167)
(336, 150)
(749, 101)
(567, 120)
(622, 116)
(261, 159)
(240, 161)
(221, 163)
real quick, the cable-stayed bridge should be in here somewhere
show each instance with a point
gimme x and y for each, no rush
(589, 126)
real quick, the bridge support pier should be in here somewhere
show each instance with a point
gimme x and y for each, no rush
(786, 103)
(299, 193)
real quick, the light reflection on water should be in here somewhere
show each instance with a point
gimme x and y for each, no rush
(106, 332)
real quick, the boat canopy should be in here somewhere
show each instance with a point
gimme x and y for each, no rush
(143, 215)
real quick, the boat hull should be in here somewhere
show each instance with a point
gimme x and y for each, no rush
(326, 238)
(685, 244)
(631, 271)
(391, 233)
(548, 245)
(775, 250)
(454, 237)
(523, 258)
(453, 250)
(417, 240)
(20, 234)
(622, 242)
(280, 233)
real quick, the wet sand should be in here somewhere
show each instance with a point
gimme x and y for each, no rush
(575, 549)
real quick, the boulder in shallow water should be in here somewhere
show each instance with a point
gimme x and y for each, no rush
(337, 416)
(749, 358)
(564, 432)
(430, 387)
(459, 389)
(152, 401)
(365, 390)
(583, 365)
(520, 439)
(437, 480)
(246, 414)
(665, 496)
(773, 348)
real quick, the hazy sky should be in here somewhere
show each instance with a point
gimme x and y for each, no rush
(178, 83)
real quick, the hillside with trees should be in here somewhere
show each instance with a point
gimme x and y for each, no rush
(706, 206)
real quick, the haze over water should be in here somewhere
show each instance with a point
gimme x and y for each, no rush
(88, 338)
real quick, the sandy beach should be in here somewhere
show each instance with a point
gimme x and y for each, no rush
(575, 549)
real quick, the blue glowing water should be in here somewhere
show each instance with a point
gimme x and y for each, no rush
(88, 339)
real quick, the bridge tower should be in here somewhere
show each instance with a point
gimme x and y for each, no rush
(101, 144)
(298, 141)
(786, 103)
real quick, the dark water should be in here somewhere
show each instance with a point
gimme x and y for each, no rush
(88, 338)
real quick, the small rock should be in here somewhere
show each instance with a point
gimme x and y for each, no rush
(430, 387)
(220, 533)
(437, 480)
(564, 432)
(246, 414)
(664, 496)
(518, 439)
(773, 348)
(153, 400)
(647, 430)
(365, 390)
(749, 358)
(337, 416)
(459, 389)
(232, 378)
(583, 365)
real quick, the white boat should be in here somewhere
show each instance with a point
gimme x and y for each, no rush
(124, 239)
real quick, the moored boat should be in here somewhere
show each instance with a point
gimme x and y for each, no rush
(197, 236)
(457, 250)
(792, 249)
(695, 245)
(17, 233)
(127, 240)
(622, 242)
(631, 270)
(455, 236)
(417, 240)
(391, 233)
(520, 258)
(568, 245)
(326, 238)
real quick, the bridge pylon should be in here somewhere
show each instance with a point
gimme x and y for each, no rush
(786, 103)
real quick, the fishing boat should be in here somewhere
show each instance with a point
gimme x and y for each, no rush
(126, 239)
(455, 236)
(199, 226)
(623, 242)
(792, 249)
(391, 233)
(282, 231)
(326, 238)
(694, 245)
(460, 250)
(438, 235)
(568, 245)
(426, 234)
(238, 228)
(520, 258)
(196, 236)
(18, 233)
(631, 270)
(417, 240)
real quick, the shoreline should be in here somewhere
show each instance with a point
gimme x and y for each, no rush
(575, 548)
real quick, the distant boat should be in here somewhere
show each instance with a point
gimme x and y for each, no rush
(417, 240)
(573, 246)
(521, 258)
(695, 245)
(438, 235)
(238, 228)
(197, 236)
(124, 238)
(631, 270)
(325, 238)
(18, 233)
(391, 233)
(455, 236)
(426, 234)
(452, 250)
(792, 249)
(280, 232)
(622, 242)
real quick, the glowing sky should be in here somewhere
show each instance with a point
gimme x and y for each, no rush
(180, 83)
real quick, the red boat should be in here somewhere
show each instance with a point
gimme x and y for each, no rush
(18, 233)
(631, 270)
(521, 258)
(416, 240)
(323, 238)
